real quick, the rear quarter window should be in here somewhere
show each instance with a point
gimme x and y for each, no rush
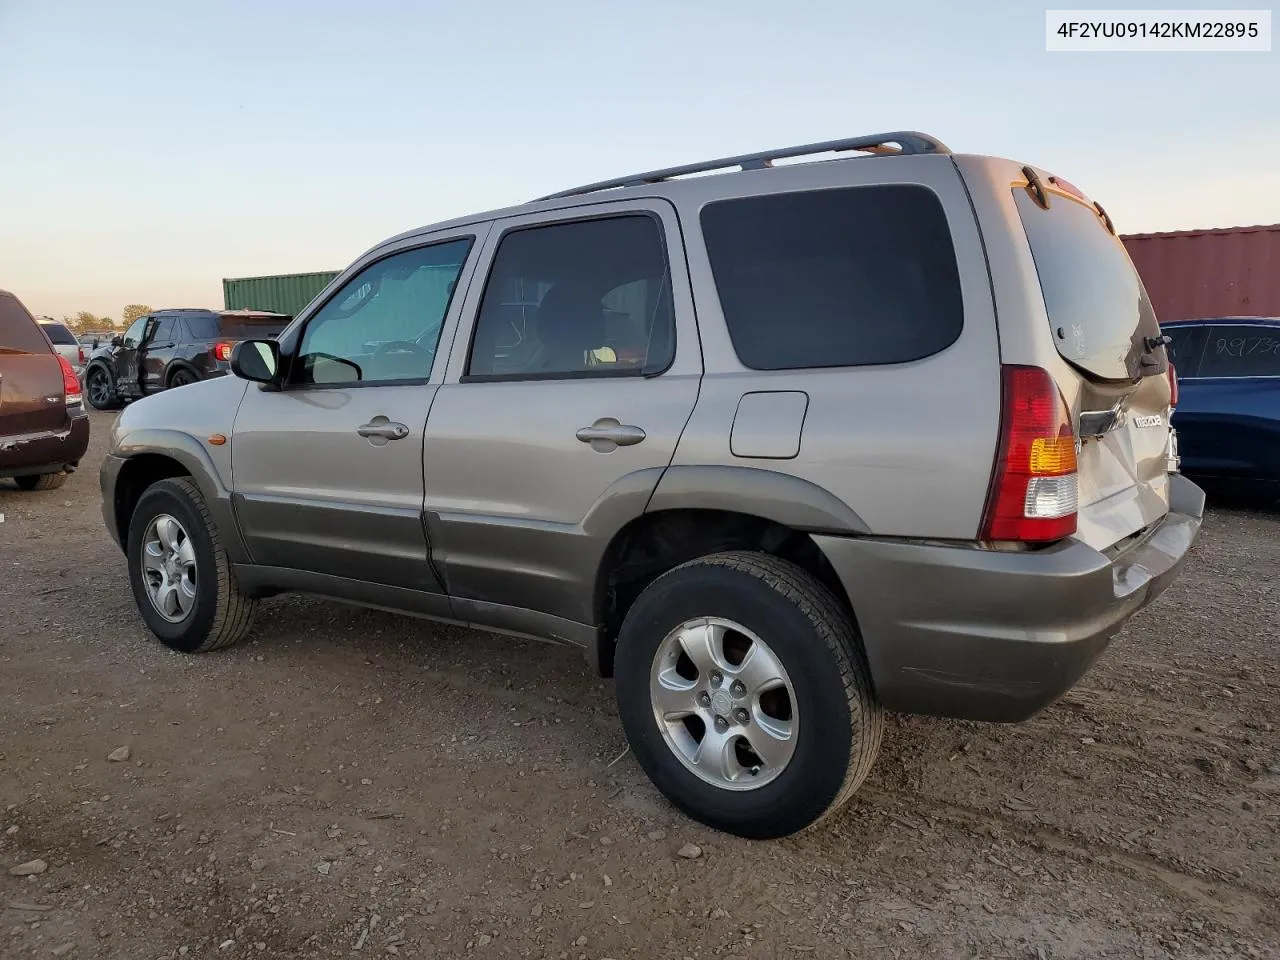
(855, 276)
(1240, 350)
(57, 333)
(19, 332)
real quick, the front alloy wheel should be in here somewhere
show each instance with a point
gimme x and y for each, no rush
(182, 579)
(169, 568)
(98, 389)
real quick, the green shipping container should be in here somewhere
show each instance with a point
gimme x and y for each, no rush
(284, 293)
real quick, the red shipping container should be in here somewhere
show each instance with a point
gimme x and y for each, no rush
(1192, 274)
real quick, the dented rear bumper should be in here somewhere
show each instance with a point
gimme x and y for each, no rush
(961, 631)
(45, 452)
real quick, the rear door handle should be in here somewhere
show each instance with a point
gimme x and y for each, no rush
(380, 431)
(608, 434)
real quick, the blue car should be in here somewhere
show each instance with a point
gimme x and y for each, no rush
(1228, 412)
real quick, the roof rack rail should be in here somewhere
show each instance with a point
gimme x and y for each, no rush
(898, 143)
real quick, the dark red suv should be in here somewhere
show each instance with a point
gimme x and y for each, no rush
(43, 428)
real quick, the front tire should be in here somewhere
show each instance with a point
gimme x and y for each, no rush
(100, 388)
(42, 481)
(745, 695)
(181, 577)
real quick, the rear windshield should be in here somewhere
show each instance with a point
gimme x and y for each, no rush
(213, 327)
(835, 278)
(18, 332)
(57, 333)
(1097, 306)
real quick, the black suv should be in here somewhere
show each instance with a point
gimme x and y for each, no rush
(170, 348)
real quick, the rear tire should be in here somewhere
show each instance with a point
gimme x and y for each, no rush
(180, 378)
(42, 481)
(219, 614)
(833, 726)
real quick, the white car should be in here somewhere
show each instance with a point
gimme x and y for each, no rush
(65, 342)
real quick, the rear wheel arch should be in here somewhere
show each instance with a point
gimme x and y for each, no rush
(658, 541)
(176, 367)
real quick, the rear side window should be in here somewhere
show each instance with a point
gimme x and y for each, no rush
(1240, 350)
(57, 333)
(18, 331)
(835, 278)
(1097, 306)
(201, 326)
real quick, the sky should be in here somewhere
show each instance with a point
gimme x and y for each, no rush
(150, 148)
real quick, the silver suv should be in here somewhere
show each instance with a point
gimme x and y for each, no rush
(779, 449)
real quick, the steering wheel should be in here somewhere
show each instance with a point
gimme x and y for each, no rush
(401, 346)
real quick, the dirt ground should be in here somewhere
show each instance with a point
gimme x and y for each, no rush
(353, 783)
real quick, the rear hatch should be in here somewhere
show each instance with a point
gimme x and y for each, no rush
(1115, 376)
(251, 325)
(32, 401)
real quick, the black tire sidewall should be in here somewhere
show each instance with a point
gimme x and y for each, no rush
(180, 378)
(817, 771)
(188, 635)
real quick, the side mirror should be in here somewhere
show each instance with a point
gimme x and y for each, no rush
(256, 360)
(117, 341)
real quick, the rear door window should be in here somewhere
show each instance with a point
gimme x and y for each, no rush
(1097, 306)
(18, 331)
(835, 278)
(1241, 350)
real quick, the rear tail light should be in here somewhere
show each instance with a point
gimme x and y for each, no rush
(222, 351)
(70, 382)
(1034, 491)
(82, 358)
(1173, 386)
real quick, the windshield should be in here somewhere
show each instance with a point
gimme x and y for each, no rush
(1096, 303)
(57, 333)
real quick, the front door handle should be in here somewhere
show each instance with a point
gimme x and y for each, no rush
(608, 434)
(380, 431)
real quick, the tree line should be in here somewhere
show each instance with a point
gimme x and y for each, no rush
(85, 322)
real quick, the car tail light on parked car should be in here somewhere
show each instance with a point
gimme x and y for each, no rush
(70, 382)
(82, 356)
(1034, 492)
(1173, 386)
(222, 351)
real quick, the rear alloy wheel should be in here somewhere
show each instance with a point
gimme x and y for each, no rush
(180, 378)
(99, 389)
(745, 695)
(181, 577)
(43, 481)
